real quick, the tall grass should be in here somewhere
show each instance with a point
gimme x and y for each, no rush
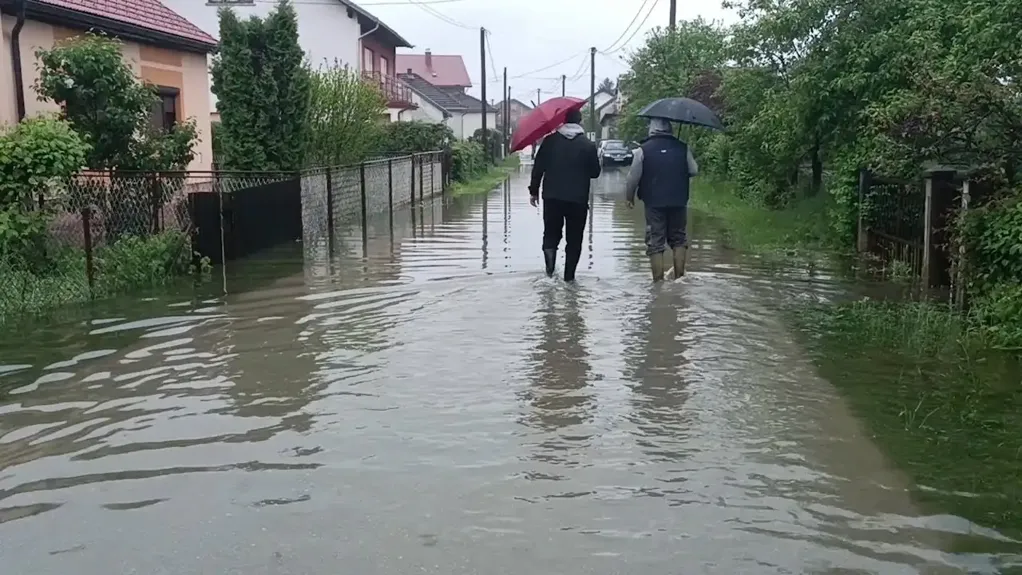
(917, 329)
(800, 226)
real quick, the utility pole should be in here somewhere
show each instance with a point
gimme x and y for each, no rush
(538, 96)
(503, 115)
(507, 115)
(563, 77)
(482, 64)
(674, 13)
(592, 93)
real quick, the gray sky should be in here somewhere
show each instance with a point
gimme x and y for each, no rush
(527, 35)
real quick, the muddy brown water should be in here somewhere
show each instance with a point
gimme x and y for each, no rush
(429, 402)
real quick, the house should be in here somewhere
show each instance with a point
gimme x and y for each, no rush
(449, 105)
(516, 110)
(329, 31)
(608, 115)
(439, 70)
(601, 97)
(161, 47)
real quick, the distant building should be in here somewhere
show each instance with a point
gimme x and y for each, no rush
(448, 105)
(439, 70)
(516, 109)
(330, 31)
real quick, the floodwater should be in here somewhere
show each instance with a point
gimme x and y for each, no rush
(429, 402)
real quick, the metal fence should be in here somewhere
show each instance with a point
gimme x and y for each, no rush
(93, 244)
(333, 198)
(891, 219)
(97, 223)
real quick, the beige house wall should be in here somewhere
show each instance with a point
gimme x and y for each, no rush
(184, 71)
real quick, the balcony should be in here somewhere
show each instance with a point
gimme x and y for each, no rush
(398, 95)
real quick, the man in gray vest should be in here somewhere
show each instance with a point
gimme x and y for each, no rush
(661, 168)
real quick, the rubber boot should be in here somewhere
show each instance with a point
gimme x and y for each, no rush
(680, 258)
(656, 265)
(570, 264)
(550, 258)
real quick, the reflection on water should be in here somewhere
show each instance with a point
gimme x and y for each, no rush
(419, 398)
(558, 392)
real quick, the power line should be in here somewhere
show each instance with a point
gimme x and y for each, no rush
(582, 69)
(489, 51)
(628, 27)
(636, 31)
(423, 4)
(544, 68)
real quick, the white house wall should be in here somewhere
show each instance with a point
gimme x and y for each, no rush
(425, 112)
(474, 121)
(325, 31)
(602, 98)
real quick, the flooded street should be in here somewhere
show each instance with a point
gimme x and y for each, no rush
(430, 402)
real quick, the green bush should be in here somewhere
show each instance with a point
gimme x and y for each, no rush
(494, 141)
(133, 262)
(415, 137)
(997, 313)
(23, 239)
(34, 155)
(467, 160)
(344, 117)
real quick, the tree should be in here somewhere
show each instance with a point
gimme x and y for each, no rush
(100, 97)
(344, 117)
(109, 107)
(607, 85)
(263, 88)
(105, 103)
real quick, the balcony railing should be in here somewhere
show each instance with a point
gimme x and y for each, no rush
(395, 91)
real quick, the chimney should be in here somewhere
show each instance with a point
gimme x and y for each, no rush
(409, 70)
(429, 60)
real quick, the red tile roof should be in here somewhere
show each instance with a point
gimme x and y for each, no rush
(149, 14)
(445, 71)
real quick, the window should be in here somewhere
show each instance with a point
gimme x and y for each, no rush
(367, 60)
(384, 66)
(163, 114)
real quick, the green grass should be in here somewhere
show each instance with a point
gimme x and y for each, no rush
(802, 226)
(486, 181)
(937, 399)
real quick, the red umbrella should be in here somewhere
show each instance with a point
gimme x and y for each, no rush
(542, 120)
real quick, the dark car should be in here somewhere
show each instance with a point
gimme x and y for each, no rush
(615, 152)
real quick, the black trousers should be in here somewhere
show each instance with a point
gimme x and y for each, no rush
(570, 217)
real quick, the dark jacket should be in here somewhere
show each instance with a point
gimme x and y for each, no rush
(665, 172)
(565, 164)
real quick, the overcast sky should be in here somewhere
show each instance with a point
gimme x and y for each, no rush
(527, 35)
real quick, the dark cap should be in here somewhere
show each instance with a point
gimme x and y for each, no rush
(573, 117)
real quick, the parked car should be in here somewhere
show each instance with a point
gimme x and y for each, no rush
(614, 152)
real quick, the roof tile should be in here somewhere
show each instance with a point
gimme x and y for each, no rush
(445, 71)
(149, 14)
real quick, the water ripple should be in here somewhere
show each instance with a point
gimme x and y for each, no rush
(427, 401)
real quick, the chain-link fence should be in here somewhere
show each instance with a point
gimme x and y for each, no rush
(101, 233)
(345, 198)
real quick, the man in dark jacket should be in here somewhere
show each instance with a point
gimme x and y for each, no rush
(660, 173)
(565, 164)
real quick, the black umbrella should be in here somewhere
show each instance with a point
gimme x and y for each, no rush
(683, 110)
